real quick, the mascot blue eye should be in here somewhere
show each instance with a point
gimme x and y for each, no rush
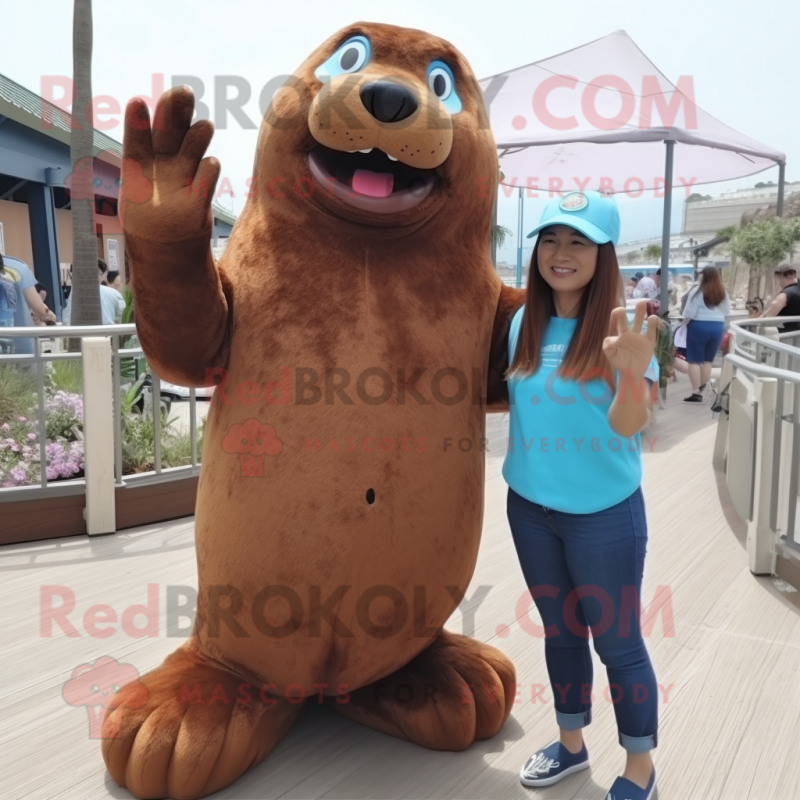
(442, 83)
(352, 56)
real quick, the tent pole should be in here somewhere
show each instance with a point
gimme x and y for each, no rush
(665, 231)
(519, 240)
(781, 187)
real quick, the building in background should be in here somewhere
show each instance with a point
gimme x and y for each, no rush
(35, 216)
(702, 218)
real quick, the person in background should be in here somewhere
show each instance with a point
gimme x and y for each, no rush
(630, 287)
(787, 301)
(25, 300)
(42, 292)
(8, 297)
(112, 303)
(646, 288)
(706, 310)
(66, 311)
(114, 280)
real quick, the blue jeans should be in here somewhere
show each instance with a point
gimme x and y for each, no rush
(584, 572)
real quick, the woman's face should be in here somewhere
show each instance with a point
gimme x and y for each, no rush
(567, 259)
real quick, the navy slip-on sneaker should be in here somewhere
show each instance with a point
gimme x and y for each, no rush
(548, 766)
(623, 789)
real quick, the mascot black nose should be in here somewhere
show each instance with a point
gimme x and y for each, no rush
(387, 101)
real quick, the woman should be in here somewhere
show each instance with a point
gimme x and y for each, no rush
(579, 387)
(706, 310)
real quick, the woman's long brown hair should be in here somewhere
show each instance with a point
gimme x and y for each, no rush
(711, 287)
(584, 359)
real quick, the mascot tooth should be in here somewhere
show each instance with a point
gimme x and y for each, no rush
(356, 331)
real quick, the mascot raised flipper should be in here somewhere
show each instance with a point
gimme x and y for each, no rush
(357, 332)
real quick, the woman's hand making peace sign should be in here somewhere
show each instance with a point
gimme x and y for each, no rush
(628, 349)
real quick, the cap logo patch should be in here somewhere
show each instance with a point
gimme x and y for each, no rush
(575, 201)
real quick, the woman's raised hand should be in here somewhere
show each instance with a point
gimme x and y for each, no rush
(629, 350)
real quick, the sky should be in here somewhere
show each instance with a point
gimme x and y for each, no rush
(743, 62)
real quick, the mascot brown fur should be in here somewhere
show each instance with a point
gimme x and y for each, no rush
(337, 321)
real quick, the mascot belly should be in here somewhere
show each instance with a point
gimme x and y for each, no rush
(356, 332)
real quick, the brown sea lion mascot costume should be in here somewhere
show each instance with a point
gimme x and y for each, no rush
(358, 333)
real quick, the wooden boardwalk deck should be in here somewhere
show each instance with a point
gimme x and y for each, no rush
(730, 721)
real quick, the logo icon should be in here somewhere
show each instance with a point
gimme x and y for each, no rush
(93, 685)
(252, 441)
(575, 201)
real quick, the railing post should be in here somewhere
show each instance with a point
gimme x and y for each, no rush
(98, 435)
(760, 536)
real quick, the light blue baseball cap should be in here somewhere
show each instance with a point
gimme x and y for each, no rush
(595, 215)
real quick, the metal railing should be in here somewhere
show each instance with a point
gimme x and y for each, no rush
(119, 354)
(768, 369)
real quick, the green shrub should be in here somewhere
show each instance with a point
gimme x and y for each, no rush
(17, 393)
(138, 444)
(66, 376)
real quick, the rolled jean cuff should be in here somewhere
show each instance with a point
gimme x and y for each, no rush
(638, 744)
(573, 722)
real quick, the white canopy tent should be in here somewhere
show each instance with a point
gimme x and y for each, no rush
(603, 117)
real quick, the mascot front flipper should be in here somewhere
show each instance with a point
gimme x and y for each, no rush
(356, 331)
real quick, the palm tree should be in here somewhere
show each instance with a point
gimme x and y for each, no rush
(653, 252)
(85, 301)
(499, 235)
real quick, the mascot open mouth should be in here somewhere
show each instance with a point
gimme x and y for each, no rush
(371, 180)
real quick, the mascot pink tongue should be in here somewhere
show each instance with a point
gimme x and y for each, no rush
(373, 184)
(336, 531)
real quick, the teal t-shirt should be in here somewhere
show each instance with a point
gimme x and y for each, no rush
(562, 452)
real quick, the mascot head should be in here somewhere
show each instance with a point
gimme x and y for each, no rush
(383, 129)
